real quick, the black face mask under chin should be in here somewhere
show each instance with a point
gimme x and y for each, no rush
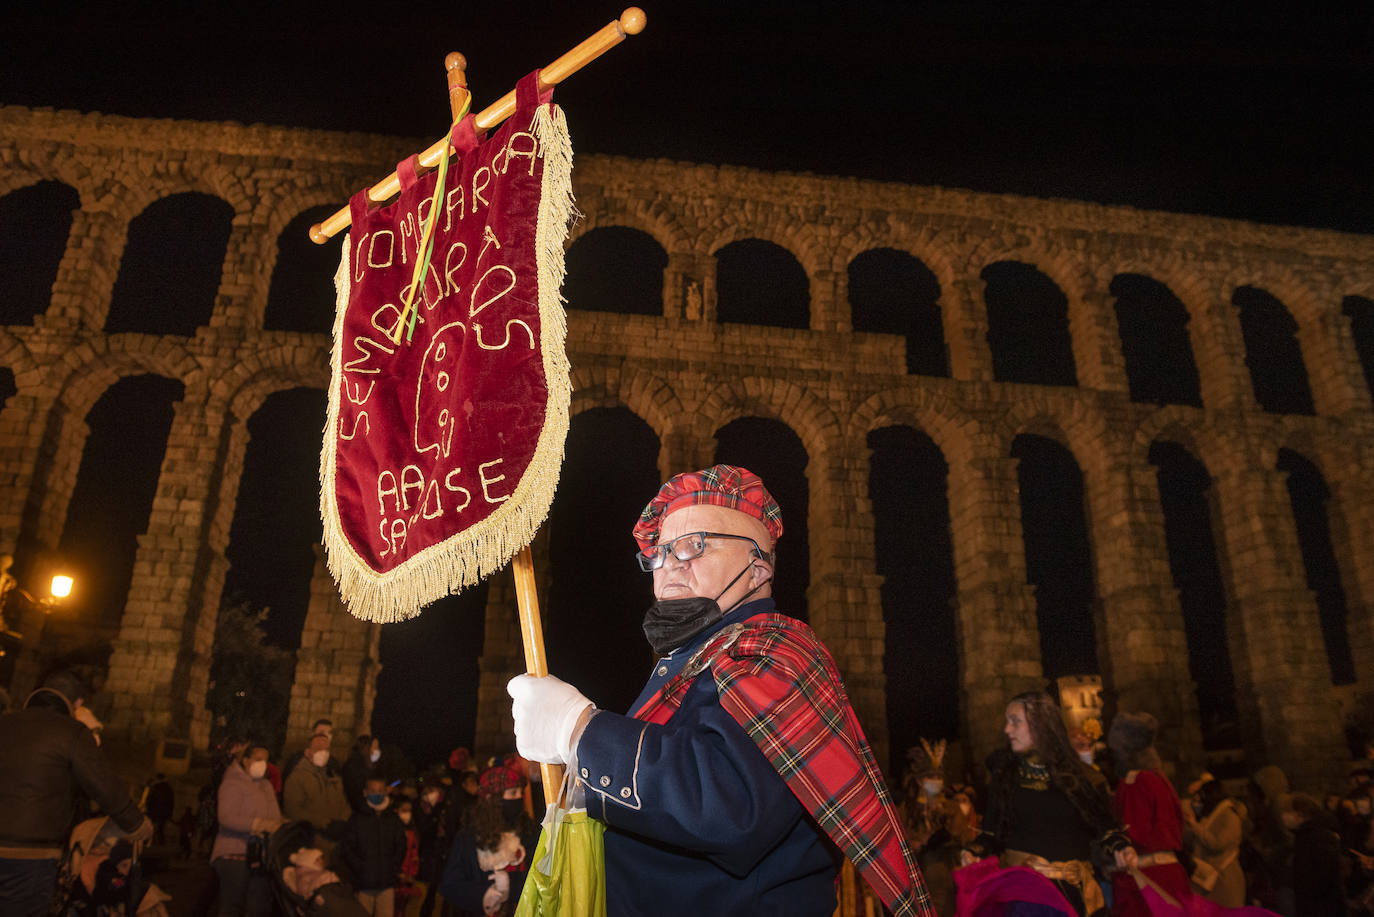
(670, 623)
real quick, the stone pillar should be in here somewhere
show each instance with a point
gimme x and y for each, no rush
(1096, 342)
(87, 272)
(999, 640)
(676, 278)
(23, 425)
(1219, 351)
(845, 594)
(829, 303)
(1351, 510)
(1143, 646)
(336, 666)
(160, 668)
(1328, 349)
(1289, 716)
(966, 330)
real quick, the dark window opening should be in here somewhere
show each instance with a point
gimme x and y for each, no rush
(1308, 495)
(301, 296)
(1360, 311)
(1278, 375)
(1183, 495)
(759, 283)
(1028, 326)
(172, 264)
(772, 451)
(112, 500)
(890, 292)
(598, 594)
(914, 553)
(1154, 340)
(616, 269)
(34, 225)
(1058, 555)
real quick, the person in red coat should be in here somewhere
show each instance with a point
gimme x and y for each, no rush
(1148, 808)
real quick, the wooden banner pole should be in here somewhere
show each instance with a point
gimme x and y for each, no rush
(532, 635)
(631, 22)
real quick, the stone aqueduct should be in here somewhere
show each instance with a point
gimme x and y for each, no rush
(687, 374)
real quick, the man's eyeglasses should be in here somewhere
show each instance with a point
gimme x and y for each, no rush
(687, 547)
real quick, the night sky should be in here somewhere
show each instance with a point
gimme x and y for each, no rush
(1243, 109)
(1249, 110)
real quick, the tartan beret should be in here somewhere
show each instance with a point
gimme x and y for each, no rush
(496, 780)
(720, 485)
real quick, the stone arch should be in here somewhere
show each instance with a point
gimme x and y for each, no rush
(247, 396)
(15, 355)
(648, 216)
(810, 418)
(1029, 333)
(300, 294)
(1064, 267)
(742, 220)
(932, 413)
(1208, 337)
(1079, 428)
(141, 180)
(295, 358)
(647, 395)
(91, 367)
(1186, 427)
(273, 212)
(920, 241)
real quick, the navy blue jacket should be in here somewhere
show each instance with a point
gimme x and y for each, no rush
(698, 821)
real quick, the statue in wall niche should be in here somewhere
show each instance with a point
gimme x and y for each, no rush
(692, 304)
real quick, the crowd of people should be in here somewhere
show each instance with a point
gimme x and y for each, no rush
(736, 785)
(344, 838)
(306, 834)
(1103, 823)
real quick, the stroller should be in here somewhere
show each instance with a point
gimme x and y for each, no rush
(301, 884)
(90, 885)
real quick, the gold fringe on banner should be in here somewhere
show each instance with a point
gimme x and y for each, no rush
(482, 549)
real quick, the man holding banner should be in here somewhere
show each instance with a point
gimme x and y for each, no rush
(743, 753)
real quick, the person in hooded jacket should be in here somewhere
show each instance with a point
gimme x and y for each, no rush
(372, 849)
(48, 758)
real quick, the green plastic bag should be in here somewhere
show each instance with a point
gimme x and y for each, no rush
(567, 876)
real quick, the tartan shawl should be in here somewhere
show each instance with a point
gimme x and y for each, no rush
(778, 681)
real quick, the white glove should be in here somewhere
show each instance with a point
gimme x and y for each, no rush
(546, 711)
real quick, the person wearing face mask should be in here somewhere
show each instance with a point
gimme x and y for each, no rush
(702, 814)
(312, 793)
(372, 849)
(361, 765)
(1147, 805)
(247, 806)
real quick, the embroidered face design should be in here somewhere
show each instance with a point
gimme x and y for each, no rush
(435, 418)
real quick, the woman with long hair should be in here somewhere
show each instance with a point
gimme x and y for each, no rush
(1047, 809)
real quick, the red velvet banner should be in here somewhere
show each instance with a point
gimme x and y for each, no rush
(446, 432)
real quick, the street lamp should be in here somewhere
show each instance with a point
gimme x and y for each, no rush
(61, 588)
